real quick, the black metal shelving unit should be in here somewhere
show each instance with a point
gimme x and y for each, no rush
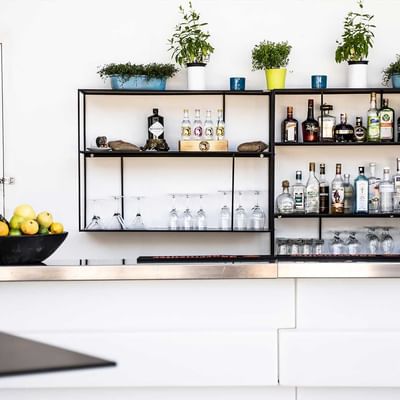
(84, 155)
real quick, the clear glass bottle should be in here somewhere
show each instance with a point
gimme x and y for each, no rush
(396, 184)
(327, 123)
(373, 129)
(197, 126)
(220, 127)
(386, 192)
(361, 191)
(208, 133)
(312, 192)
(285, 201)
(373, 190)
(323, 191)
(186, 126)
(310, 125)
(344, 132)
(298, 191)
(337, 198)
(360, 132)
(348, 194)
(386, 122)
(290, 128)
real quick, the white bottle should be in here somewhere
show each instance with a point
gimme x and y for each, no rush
(386, 192)
(208, 127)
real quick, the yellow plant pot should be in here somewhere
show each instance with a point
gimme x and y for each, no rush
(276, 78)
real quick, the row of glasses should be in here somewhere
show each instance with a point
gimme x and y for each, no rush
(187, 221)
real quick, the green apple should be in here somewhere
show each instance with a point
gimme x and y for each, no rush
(16, 221)
(45, 219)
(15, 232)
(43, 230)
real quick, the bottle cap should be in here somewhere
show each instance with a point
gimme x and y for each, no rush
(155, 111)
(285, 184)
(312, 166)
(361, 170)
(298, 174)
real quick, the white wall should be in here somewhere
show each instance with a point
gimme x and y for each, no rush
(51, 48)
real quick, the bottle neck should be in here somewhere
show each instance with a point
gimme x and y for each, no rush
(372, 171)
(373, 102)
(310, 114)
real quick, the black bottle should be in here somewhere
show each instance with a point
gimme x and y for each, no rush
(155, 126)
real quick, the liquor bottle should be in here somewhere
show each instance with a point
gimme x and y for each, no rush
(396, 193)
(373, 190)
(361, 190)
(186, 126)
(310, 125)
(337, 203)
(398, 129)
(323, 191)
(386, 192)
(285, 202)
(360, 132)
(220, 128)
(290, 128)
(155, 125)
(197, 125)
(312, 192)
(348, 195)
(298, 192)
(386, 122)
(327, 123)
(344, 132)
(373, 131)
(208, 127)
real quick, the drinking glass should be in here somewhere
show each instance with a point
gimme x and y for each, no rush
(96, 222)
(187, 219)
(225, 217)
(353, 245)
(201, 217)
(257, 217)
(387, 243)
(173, 216)
(117, 221)
(138, 223)
(336, 245)
(240, 216)
(372, 240)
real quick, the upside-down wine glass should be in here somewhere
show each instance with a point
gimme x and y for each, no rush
(240, 216)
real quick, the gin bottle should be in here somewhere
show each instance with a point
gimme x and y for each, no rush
(373, 190)
(285, 202)
(298, 190)
(197, 125)
(208, 127)
(220, 128)
(386, 192)
(155, 125)
(348, 194)
(361, 189)
(337, 201)
(396, 193)
(312, 192)
(186, 126)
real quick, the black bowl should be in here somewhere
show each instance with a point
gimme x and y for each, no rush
(18, 250)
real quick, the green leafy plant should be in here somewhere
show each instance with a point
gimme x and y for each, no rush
(357, 37)
(392, 69)
(189, 43)
(268, 55)
(128, 70)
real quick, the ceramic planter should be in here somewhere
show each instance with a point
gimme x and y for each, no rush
(276, 78)
(137, 82)
(196, 76)
(357, 74)
(396, 81)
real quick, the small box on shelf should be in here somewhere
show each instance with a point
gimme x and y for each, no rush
(203, 145)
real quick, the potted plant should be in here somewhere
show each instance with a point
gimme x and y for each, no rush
(190, 47)
(392, 72)
(273, 57)
(357, 39)
(137, 76)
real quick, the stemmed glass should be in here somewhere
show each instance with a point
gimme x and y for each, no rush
(372, 240)
(257, 218)
(117, 222)
(201, 217)
(387, 242)
(353, 245)
(336, 245)
(240, 216)
(96, 222)
(225, 217)
(187, 219)
(173, 216)
(138, 223)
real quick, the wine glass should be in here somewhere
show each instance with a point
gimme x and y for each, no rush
(96, 222)
(138, 223)
(117, 222)
(387, 243)
(225, 217)
(173, 216)
(187, 219)
(257, 217)
(201, 217)
(353, 245)
(240, 216)
(336, 245)
(372, 240)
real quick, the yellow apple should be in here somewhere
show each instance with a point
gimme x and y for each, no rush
(30, 227)
(44, 219)
(25, 211)
(56, 227)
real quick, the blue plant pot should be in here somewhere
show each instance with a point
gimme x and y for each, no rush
(396, 81)
(138, 82)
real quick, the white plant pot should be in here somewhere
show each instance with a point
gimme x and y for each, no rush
(196, 76)
(357, 74)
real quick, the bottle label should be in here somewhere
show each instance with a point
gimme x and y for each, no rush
(208, 132)
(327, 130)
(373, 195)
(291, 131)
(298, 200)
(338, 199)
(362, 196)
(156, 129)
(386, 125)
(323, 199)
(198, 131)
(220, 131)
(186, 131)
(359, 133)
(373, 127)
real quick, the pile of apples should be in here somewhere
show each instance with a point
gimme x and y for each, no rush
(25, 222)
